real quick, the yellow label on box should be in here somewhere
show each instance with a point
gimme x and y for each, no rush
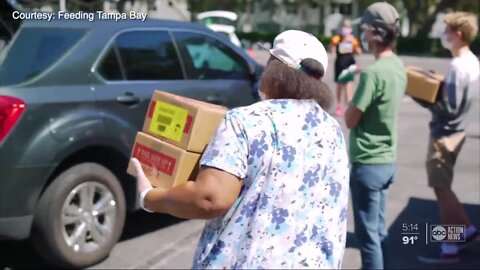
(168, 121)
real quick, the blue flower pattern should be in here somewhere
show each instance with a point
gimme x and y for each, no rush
(310, 178)
(288, 154)
(212, 154)
(278, 216)
(311, 120)
(278, 148)
(257, 149)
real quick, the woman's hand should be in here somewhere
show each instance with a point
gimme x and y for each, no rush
(143, 185)
(142, 181)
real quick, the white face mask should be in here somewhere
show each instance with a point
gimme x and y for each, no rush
(445, 43)
(262, 95)
(364, 42)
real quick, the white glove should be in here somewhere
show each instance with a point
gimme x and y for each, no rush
(143, 185)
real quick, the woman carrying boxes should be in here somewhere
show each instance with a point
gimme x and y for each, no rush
(274, 180)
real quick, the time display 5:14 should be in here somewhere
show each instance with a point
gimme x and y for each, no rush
(409, 227)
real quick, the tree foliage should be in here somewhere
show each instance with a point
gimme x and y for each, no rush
(422, 13)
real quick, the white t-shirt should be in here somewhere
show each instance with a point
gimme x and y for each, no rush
(461, 84)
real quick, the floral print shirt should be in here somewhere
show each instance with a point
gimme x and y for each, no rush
(292, 209)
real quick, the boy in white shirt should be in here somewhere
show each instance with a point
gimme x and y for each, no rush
(447, 128)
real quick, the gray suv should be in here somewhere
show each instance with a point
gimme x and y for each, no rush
(73, 94)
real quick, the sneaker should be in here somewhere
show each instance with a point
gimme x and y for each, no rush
(440, 258)
(339, 111)
(469, 241)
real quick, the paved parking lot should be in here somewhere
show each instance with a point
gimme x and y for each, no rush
(152, 241)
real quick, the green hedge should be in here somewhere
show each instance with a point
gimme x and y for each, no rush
(405, 45)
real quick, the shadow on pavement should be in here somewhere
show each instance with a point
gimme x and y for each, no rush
(21, 254)
(141, 222)
(423, 212)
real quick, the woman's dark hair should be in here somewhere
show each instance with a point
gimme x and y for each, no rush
(283, 82)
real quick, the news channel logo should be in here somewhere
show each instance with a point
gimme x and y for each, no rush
(447, 233)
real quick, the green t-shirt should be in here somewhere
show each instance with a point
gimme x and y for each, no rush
(378, 96)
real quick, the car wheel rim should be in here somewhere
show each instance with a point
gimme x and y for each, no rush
(88, 217)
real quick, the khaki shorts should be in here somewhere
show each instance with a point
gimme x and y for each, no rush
(441, 157)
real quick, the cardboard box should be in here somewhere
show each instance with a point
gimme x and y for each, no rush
(164, 165)
(184, 122)
(423, 84)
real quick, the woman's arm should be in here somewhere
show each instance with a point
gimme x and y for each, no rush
(332, 47)
(217, 186)
(356, 47)
(211, 195)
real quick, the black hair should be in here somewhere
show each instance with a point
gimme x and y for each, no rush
(312, 68)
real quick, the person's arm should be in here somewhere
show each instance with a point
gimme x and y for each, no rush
(362, 98)
(216, 188)
(352, 116)
(356, 47)
(450, 96)
(210, 195)
(333, 44)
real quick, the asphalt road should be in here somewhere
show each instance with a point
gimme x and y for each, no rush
(152, 241)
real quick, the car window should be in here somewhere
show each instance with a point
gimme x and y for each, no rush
(209, 59)
(110, 66)
(144, 55)
(33, 51)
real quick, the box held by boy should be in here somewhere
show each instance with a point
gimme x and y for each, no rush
(423, 84)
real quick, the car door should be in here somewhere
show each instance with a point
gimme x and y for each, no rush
(135, 64)
(212, 64)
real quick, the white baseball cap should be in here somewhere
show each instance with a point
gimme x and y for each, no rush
(293, 46)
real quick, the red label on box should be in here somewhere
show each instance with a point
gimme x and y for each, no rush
(188, 124)
(151, 109)
(154, 159)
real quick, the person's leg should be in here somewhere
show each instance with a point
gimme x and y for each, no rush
(443, 154)
(441, 158)
(382, 227)
(368, 184)
(339, 109)
(451, 210)
(348, 92)
(365, 212)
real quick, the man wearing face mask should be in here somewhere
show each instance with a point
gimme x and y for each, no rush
(447, 128)
(372, 118)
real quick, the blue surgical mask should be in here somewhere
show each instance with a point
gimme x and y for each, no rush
(364, 41)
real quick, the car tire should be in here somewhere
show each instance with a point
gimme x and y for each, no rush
(79, 217)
